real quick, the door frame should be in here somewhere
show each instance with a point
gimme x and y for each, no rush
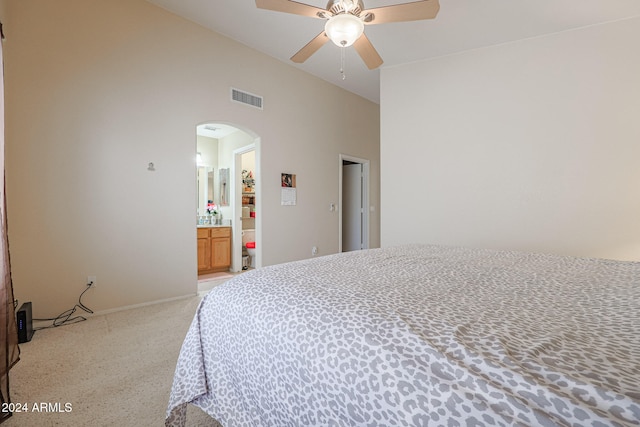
(236, 173)
(365, 197)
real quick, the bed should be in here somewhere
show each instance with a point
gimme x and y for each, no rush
(417, 335)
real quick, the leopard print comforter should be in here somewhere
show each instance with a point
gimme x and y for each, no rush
(418, 336)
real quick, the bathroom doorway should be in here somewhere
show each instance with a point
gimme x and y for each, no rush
(247, 201)
(354, 202)
(216, 147)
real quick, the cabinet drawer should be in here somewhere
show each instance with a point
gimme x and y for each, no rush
(203, 233)
(220, 232)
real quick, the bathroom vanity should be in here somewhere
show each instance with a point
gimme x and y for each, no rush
(214, 248)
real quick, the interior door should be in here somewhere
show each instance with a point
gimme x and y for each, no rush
(352, 209)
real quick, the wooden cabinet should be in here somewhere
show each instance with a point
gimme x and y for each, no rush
(214, 249)
(204, 250)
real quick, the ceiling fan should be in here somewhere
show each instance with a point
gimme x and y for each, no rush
(346, 20)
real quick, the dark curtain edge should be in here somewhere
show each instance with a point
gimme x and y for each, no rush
(9, 331)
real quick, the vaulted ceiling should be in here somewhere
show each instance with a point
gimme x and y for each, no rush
(460, 25)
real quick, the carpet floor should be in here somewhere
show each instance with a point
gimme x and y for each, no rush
(111, 370)
(214, 276)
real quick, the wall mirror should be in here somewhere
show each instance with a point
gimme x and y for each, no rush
(205, 188)
(224, 187)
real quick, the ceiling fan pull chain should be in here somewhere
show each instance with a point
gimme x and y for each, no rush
(344, 76)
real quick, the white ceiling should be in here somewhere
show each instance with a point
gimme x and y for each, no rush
(460, 25)
(215, 130)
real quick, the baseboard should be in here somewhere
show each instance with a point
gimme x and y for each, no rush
(144, 304)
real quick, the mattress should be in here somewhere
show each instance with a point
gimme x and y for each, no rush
(417, 335)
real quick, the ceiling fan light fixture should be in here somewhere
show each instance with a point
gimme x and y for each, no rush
(344, 29)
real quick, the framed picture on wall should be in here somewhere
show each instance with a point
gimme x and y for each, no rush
(288, 180)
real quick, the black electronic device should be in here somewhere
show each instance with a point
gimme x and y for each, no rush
(24, 322)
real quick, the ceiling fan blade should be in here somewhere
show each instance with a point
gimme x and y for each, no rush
(367, 52)
(415, 11)
(289, 6)
(310, 48)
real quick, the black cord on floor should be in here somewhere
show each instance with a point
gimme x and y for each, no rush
(65, 318)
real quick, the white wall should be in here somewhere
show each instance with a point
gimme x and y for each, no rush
(208, 148)
(97, 89)
(532, 145)
(249, 162)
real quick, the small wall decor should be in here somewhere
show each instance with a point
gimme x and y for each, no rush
(288, 194)
(288, 180)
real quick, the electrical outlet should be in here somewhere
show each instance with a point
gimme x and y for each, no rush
(91, 281)
(314, 250)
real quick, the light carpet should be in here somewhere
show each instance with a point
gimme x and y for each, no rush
(214, 276)
(110, 370)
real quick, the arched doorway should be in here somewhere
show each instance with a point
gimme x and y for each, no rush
(219, 147)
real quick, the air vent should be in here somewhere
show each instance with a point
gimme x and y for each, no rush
(246, 98)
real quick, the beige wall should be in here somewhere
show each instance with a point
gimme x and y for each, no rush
(97, 89)
(531, 145)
